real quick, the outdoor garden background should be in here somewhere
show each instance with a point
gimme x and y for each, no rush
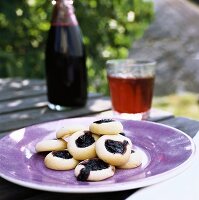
(111, 29)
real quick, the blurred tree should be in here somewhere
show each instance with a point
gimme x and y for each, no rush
(196, 1)
(23, 27)
(109, 29)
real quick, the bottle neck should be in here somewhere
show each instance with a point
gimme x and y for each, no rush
(63, 14)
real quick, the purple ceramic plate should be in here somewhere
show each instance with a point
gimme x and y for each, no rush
(166, 152)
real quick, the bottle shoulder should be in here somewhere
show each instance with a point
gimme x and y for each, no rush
(65, 40)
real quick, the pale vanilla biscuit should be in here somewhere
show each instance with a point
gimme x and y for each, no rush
(60, 160)
(66, 131)
(114, 149)
(106, 127)
(81, 145)
(134, 161)
(93, 173)
(51, 145)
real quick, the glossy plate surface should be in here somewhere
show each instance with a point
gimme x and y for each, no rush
(166, 152)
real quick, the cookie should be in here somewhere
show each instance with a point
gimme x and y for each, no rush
(106, 127)
(134, 161)
(60, 160)
(66, 131)
(51, 145)
(114, 149)
(81, 145)
(93, 170)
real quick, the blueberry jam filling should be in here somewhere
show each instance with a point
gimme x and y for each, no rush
(85, 140)
(132, 151)
(91, 165)
(62, 154)
(116, 146)
(103, 121)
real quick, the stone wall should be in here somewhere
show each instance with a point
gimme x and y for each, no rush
(173, 40)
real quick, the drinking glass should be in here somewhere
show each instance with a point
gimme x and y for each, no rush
(131, 84)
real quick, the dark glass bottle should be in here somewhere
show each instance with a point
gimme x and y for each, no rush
(65, 60)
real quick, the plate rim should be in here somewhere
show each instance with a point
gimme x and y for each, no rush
(109, 187)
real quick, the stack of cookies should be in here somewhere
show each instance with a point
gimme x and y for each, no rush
(94, 152)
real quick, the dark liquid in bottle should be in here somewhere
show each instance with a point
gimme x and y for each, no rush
(65, 67)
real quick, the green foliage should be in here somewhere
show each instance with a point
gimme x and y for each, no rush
(109, 29)
(184, 104)
(23, 28)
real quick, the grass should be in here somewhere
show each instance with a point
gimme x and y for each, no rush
(185, 104)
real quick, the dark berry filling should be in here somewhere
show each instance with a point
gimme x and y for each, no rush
(85, 140)
(91, 165)
(116, 146)
(132, 151)
(122, 134)
(62, 154)
(103, 121)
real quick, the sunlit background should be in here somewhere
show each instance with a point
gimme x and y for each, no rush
(165, 30)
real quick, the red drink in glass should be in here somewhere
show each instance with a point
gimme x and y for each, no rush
(131, 95)
(131, 87)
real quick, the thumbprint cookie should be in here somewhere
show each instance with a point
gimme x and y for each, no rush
(51, 145)
(66, 131)
(60, 160)
(81, 145)
(106, 127)
(93, 170)
(134, 161)
(114, 149)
